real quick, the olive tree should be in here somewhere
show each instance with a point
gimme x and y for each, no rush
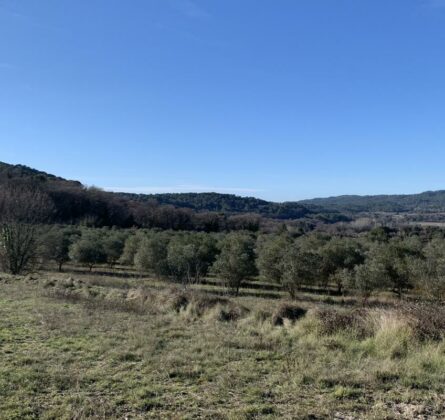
(113, 244)
(88, 250)
(300, 267)
(337, 255)
(22, 208)
(55, 245)
(236, 262)
(429, 271)
(270, 254)
(152, 254)
(131, 247)
(189, 256)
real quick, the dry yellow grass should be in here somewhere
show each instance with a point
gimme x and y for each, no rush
(135, 348)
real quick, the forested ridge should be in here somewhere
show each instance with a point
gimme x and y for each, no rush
(76, 204)
(433, 201)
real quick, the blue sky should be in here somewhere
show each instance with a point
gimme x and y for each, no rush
(284, 100)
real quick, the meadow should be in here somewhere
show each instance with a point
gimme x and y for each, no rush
(115, 344)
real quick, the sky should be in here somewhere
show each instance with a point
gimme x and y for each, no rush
(278, 99)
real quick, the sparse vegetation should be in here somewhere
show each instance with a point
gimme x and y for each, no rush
(73, 349)
(241, 319)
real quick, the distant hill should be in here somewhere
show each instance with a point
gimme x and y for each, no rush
(429, 201)
(8, 172)
(74, 202)
(209, 202)
(226, 203)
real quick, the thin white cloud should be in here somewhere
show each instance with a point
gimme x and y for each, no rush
(190, 9)
(7, 66)
(11, 12)
(183, 189)
(436, 4)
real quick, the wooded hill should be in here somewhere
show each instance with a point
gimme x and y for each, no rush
(429, 201)
(74, 203)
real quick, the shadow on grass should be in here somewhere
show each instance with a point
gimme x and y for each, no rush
(100, 271)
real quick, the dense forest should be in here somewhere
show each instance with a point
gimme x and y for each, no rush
(76, 204)
(429, 201)
(73, 203)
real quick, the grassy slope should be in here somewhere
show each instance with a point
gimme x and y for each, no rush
(70, 360)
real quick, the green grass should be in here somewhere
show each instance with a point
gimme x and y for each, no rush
(65, 359)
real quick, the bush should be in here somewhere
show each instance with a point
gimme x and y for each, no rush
(287, 311)
(333, 321)
(230, 313)
(426, 320)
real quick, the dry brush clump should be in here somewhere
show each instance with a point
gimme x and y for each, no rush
(392, 331)
(75, 290)
(214, 307)
(333, 321)
(188, 303)
(287, 311)
(426, 319)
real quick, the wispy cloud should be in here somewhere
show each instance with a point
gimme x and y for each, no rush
(184, 34)
(190, 9)
(183, 189)
(435, 4)
(7, 66)
(12, 13)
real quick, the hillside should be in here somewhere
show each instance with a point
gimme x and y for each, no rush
(226, 203)
(75, 202)
(429, 201)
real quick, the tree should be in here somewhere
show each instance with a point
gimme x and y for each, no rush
(131, 247)
(190, 256)
(429, 272)
(22, 208)
(380, 234)
(113, 245)
(152, 254)
(368, 277)
(300, 266)
(337, 255)
(236, 262)
(88, 250)
(395, 259)
(55, 246)
(271, 251)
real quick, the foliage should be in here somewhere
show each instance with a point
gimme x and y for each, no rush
(22, 208)
(189, 256)
(337, 255)
(55, 245)
(113, 245)
(89, 249)
(236, 262)
(300, 266)
(152, 254)
(270, 254)
(430, 272)
(131, 246)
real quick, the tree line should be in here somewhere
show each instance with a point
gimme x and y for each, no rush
(395, 261)
(73, 203)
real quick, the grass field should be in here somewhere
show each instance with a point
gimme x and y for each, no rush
(118, 346)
